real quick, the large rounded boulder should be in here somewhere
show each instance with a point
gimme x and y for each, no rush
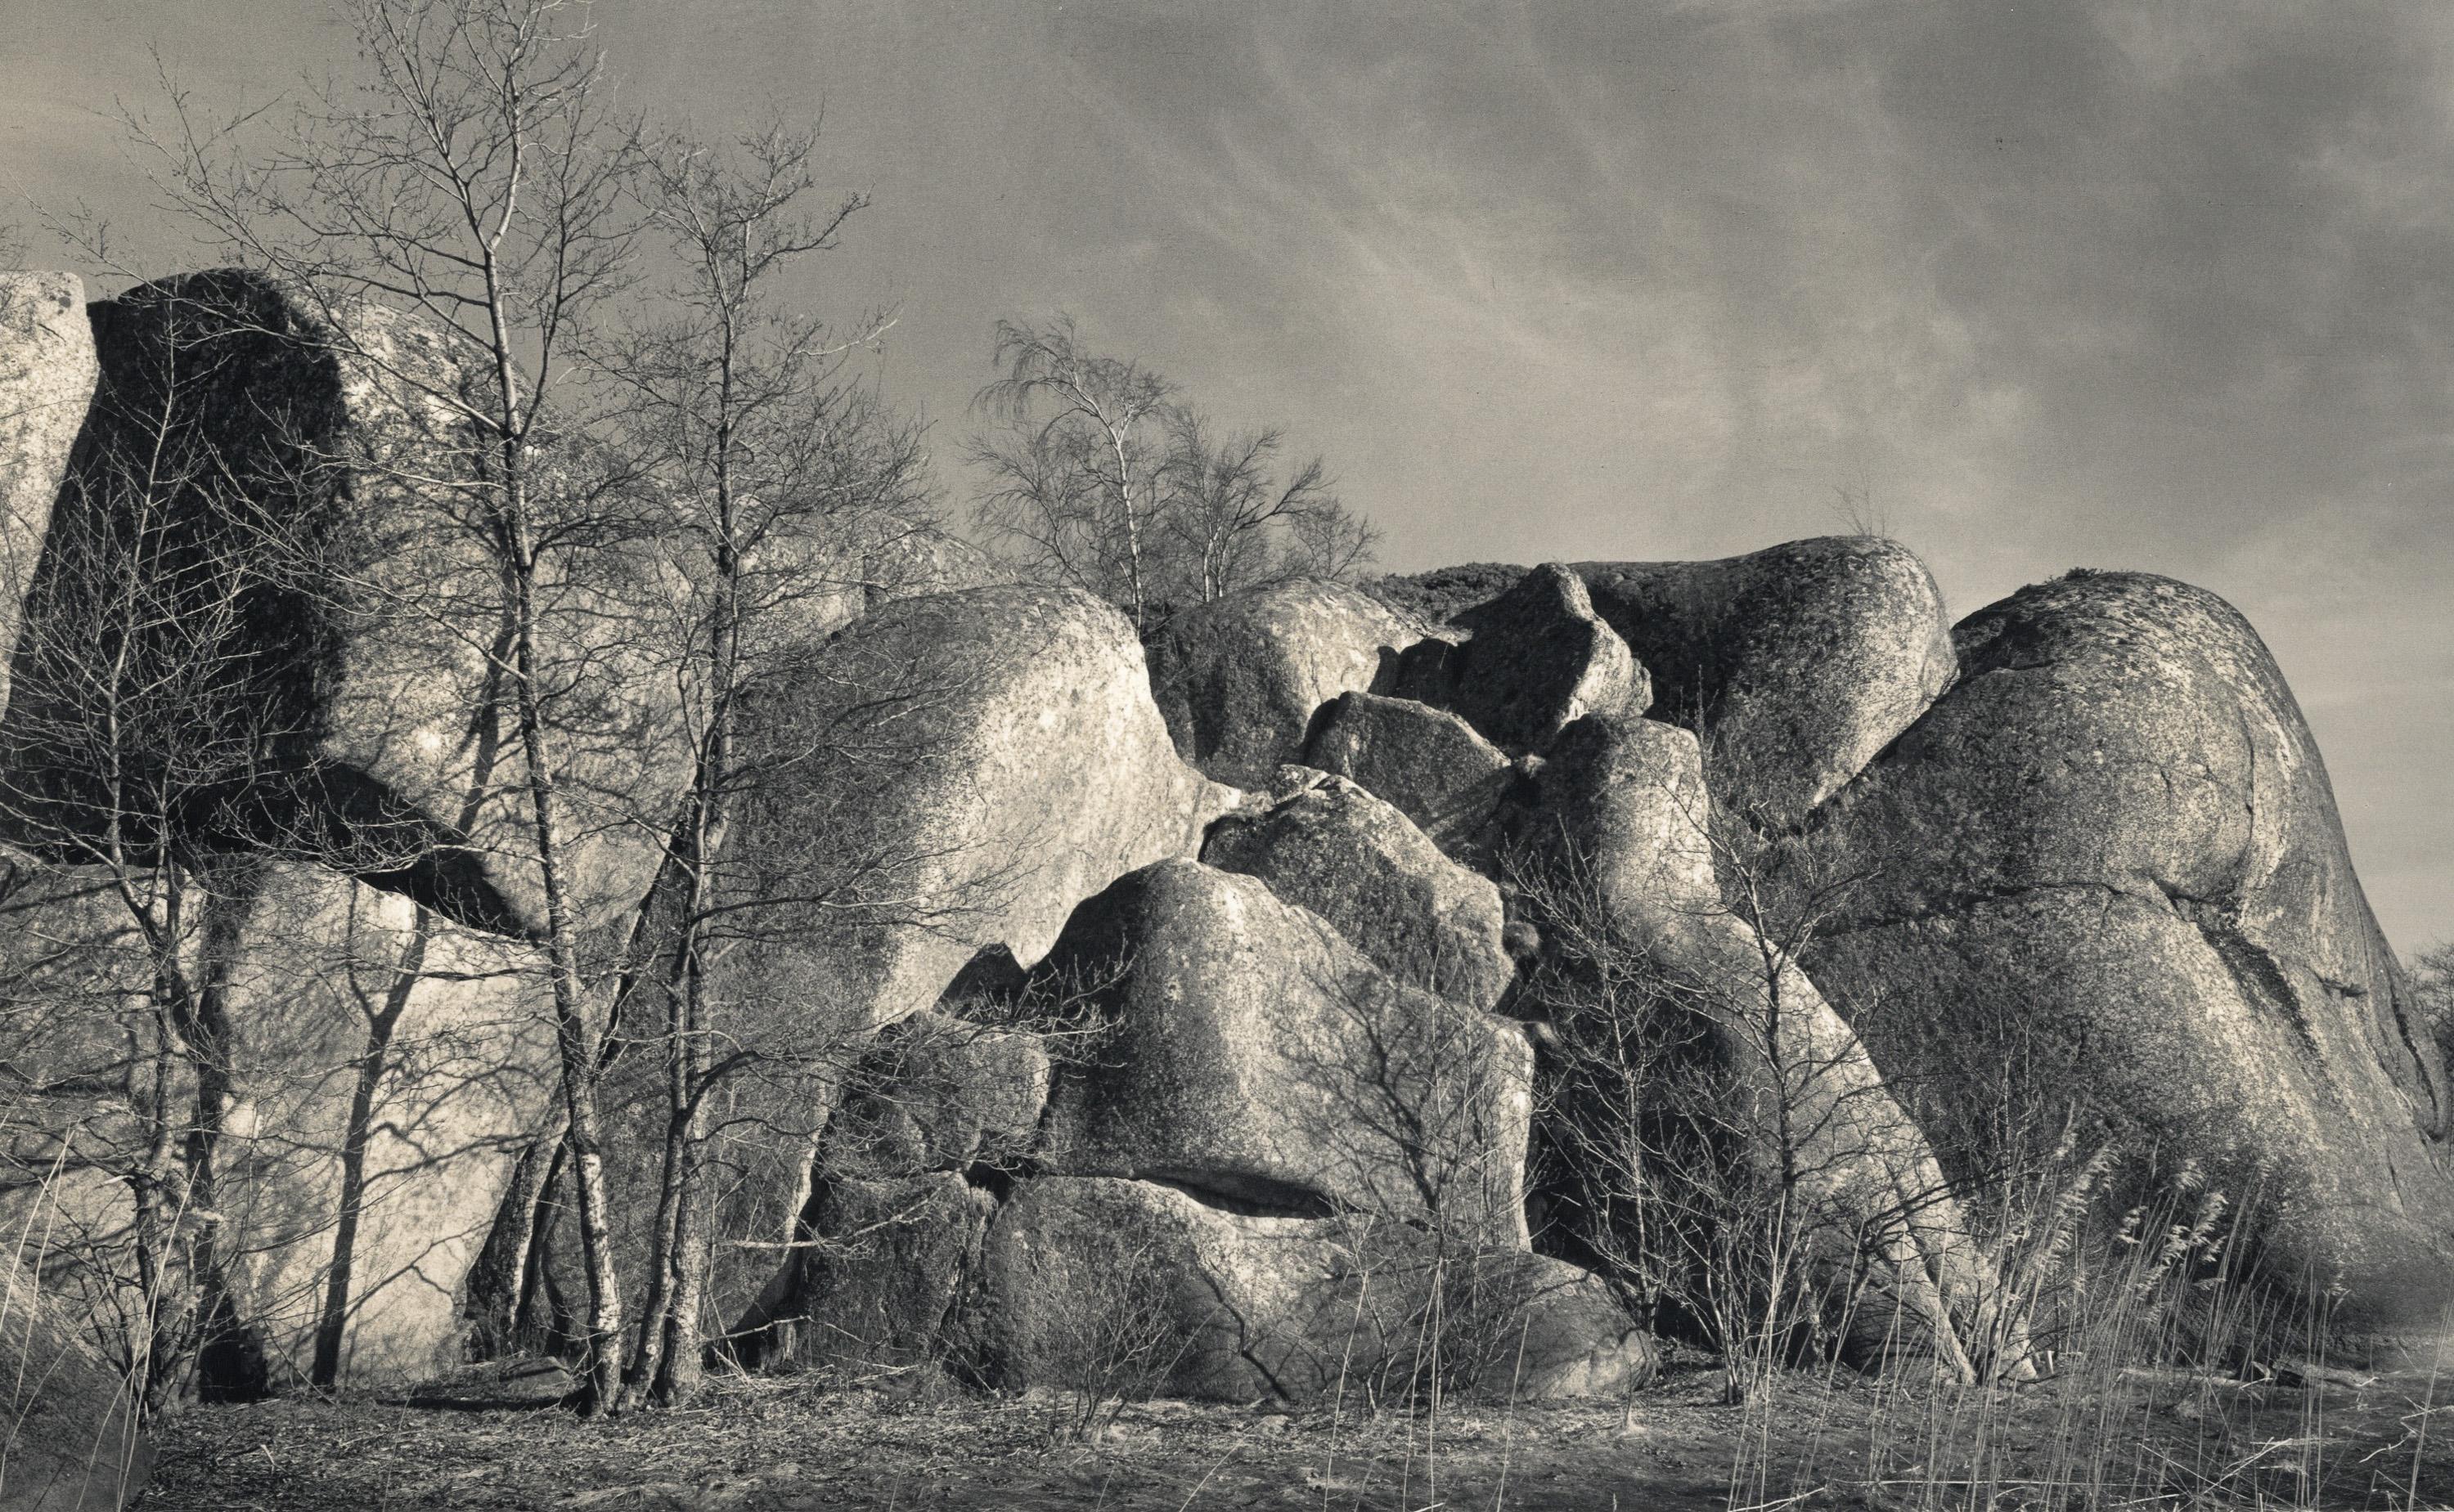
(2105, 871)
(953, 772)
(1796, 664)
(47, 375)
(1249, 1052)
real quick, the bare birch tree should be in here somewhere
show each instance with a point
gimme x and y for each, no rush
(474, 176)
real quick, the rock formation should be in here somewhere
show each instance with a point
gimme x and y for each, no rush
(1240, 678)
(265, 483)
(2106, 865)
(1428, 761)
(955, 772)
(1064, 1046)
(1795, 663)
(1254, 1054)
(1527, 663)
(1333, 849)
(1183, 1297)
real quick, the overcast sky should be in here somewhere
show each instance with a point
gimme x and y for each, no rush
(2160, 286)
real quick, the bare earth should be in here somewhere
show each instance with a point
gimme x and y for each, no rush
(791, 1447)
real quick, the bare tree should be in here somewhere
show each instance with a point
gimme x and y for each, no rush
(1101, 477)
(474, 176)
(793, 483)
(1076, 473)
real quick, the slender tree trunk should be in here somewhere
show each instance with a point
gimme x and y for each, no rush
(332, 1326)
(576, 1038)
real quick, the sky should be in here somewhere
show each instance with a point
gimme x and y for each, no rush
(2165, 285)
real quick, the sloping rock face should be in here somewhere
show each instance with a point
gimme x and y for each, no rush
(954, 771)
(2106, 869)
(267, 485)
(332, 996)
(1428, 761)
(1255, 1055)
(69, 1437)
(46, 374)
(1796, 663)
(1085, 1274)
(1239, 679)
(1623, 825)
(1531, 661)
(1359, 863)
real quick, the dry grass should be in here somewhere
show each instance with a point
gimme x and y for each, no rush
(2155, 1439)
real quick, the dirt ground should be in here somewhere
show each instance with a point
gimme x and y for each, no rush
(798, 1447)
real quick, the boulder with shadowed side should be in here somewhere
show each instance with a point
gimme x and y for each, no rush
(1359, 862)
(1528, 662)
(46, 374)
(1240, 678)
(2107, 868)
(1427, 762)
(1255, 1054)
(277, 483)
(1796, 663)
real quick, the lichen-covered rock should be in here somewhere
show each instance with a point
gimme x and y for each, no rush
(47, 373)
(884, 1288)
(315, 975)
(1254, 1053)
(2107, 868)
(280, 481)
(1239, 679)
(1530, 662)
(1796, 663)
(1428, 761)
(953, 772)
(69, 1441)
(1359, 862)
(1086, 1274)
(938, 1094)
(1622, 822)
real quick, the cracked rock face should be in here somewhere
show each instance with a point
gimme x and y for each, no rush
(1363, 866)
(2108, 863)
